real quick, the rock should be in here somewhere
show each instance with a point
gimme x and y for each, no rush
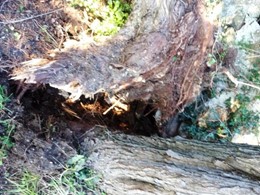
(250, 138)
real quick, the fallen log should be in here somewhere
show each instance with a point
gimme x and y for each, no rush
(157, 58)
(153, 165)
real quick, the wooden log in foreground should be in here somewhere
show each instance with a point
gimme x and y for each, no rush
(152, 165)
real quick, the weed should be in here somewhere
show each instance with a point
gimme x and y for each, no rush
(6, 125)
(222, 123)
(211, 60)
(3, 98)
(105, 18)
(27, 184)
(21, 8)
(244, 45)
(254, 74)
(239, 117)
(6, 142)
(175, 58)
(76, 179)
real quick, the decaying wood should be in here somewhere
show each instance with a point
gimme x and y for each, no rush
(158, 57)
(152, 165)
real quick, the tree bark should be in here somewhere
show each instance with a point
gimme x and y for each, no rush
(158, 58)
(152, 165)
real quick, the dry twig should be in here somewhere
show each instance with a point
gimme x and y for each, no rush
(29, 18)
(237, 82)
(3, 5)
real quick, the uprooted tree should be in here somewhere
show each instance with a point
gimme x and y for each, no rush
(157, 58)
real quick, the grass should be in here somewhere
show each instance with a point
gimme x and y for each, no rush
(27, 184)
(3, 98)
(6, 125)
(6, 142)
(76, 179)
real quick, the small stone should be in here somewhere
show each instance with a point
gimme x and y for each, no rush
(238, 20)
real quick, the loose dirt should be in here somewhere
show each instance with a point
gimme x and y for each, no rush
(44, 136)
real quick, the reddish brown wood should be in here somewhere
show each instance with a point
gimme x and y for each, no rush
(159, 57)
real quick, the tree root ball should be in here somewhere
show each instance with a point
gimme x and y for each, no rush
(158, 57)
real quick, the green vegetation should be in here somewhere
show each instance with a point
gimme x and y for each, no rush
(27, 185)
(240, 117)
(222, 123)
(77, 179)
(6, 142)
(254, 73)
(244, 45)
(105, 18)
(211, 60)
(212, 125)
(6, 127)
(3, 98)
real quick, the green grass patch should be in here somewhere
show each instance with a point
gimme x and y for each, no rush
(6, 142)
(76, 179)
(26, 185)
(3, 98)
(105, 17)
(6, 126)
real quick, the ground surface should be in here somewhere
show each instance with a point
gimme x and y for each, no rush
(46, 134)
(43, 139)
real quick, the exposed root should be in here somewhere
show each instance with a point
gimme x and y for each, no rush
(116, 102)
(158, 57)
(237, 82)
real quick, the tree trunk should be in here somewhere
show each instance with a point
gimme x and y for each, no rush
(157, 58)
(152, 165)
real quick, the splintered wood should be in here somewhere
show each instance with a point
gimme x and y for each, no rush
(158, 56)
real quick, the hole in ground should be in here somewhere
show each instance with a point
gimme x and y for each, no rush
(48, 113)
